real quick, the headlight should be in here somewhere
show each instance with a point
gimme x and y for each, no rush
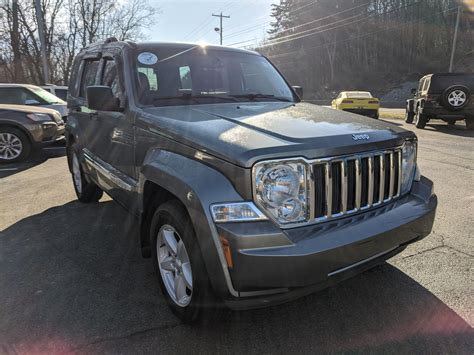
(281, 190)
(408, 165)
(38, 117)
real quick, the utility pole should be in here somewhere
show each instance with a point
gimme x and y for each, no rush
(220, 28)
(39, 19)
(454, 40)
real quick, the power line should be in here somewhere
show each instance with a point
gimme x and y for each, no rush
(348, 39)
(249, 29)
(300, 35)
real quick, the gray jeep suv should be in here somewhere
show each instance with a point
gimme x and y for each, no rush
(244, 194)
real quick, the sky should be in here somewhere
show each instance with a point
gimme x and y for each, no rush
(192, 21)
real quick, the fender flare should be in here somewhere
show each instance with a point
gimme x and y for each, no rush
(197, 186)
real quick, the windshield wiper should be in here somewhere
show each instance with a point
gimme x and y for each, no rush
(252, 96)
(195, 97)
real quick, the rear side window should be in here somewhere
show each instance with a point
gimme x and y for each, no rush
(88, 76)
(61, 93)
(18, 96)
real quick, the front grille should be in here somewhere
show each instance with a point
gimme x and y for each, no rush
(344, 185)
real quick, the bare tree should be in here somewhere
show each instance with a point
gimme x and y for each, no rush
(69, 26)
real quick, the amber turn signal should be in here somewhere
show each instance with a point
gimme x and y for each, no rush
(227, 253)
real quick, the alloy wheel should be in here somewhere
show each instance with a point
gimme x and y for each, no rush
(457, 98)
(174, 265)
(10, 146)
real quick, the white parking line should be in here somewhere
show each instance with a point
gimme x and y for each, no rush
(8, 169)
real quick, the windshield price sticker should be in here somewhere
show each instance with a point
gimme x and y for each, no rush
(147, 58)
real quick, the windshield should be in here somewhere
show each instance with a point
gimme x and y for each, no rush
(202, 76)
(46, 96)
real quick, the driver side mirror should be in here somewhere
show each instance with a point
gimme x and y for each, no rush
(299, 91)
(413, 91)
(101, 98)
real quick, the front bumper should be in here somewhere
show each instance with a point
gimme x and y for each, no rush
(49, 133)
(310, 258)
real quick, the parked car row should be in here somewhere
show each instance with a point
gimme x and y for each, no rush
(30, 118)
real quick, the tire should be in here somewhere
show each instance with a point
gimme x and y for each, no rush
(177, 260)
(456, 97)
(470, 123)
(86, 191)
(451, 122)
(409, 116)
(15, 145)
(420, 120)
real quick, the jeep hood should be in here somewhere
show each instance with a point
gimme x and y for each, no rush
(248, 132)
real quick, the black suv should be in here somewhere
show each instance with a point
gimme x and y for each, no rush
(446, 96)
(243, 193)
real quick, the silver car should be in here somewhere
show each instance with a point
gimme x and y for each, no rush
(31, 95)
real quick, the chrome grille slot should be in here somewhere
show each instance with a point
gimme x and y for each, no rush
(344, 185)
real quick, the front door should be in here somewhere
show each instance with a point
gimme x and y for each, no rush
(114, 142)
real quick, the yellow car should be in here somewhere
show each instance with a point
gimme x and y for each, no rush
(360, 102)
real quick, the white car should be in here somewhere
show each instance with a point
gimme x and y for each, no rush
(31, 95)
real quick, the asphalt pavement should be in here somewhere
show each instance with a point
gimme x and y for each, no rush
(72, 279)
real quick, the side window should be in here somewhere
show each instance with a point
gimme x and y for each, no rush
(110, 76)
(18, 96)
(426, 84)
(420, 86)
(88, 76)
(185, 76)
(339, 96)
(61, 93)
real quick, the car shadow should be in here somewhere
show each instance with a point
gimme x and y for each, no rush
(457, 130)
(72, 279)
(439, 126)
(36, 158)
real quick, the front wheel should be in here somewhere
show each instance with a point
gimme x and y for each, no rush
(14, 145)
(178, 263)
(86, 191)
(409, 116)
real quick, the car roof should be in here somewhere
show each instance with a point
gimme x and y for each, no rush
(355, 91)
(446, 74)
(189, 45)
(27, 109)
(145, 45)
(11, 85)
